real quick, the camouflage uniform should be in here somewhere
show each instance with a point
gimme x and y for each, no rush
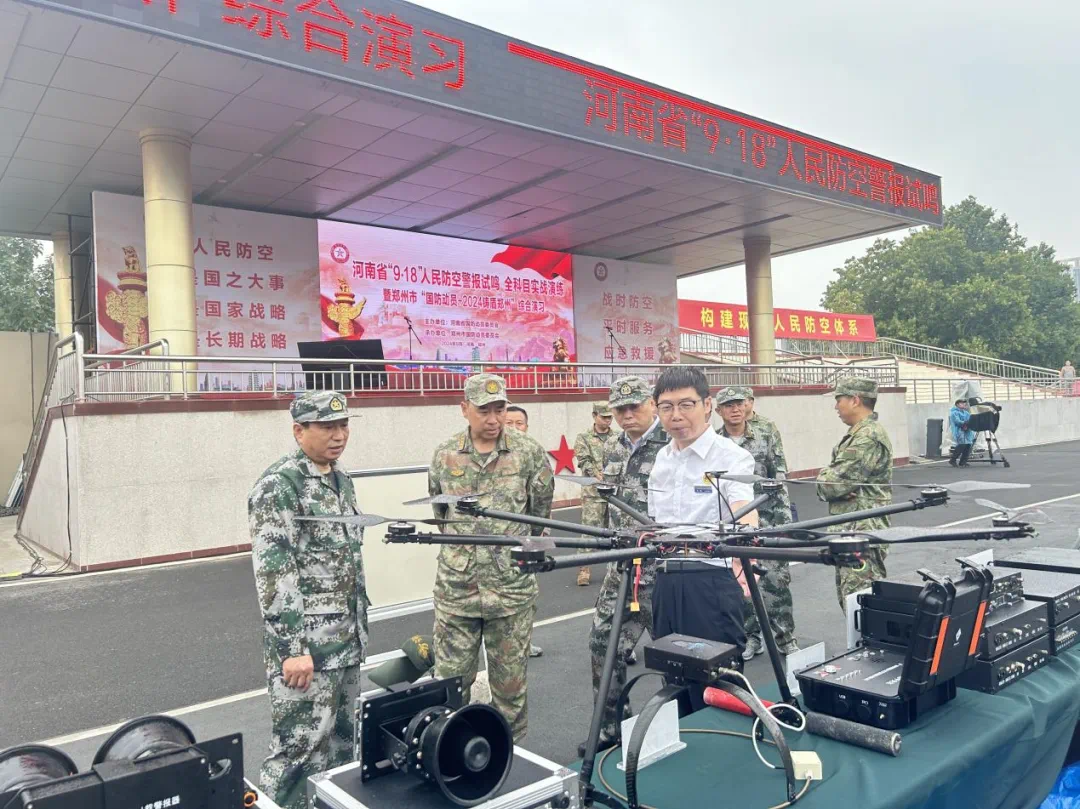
(763, 422)
(863, 456)
(762, 440)
(310, 580)
(478, 592)
(632, 470)
(589, 450)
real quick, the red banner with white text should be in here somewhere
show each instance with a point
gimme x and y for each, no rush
(730, 319)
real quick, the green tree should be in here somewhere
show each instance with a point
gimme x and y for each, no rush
(975, 285)
(26, 286)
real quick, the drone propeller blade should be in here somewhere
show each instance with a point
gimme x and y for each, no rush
(439, 500)
(1035, 516)
(746, 478)
(371, 520)
(959, 487)
(362, 520)
(982, 501)
(962, 486)
(583, 480)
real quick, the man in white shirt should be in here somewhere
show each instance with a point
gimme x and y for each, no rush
(699, 596)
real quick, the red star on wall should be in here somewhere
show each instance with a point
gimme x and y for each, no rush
(564, 456)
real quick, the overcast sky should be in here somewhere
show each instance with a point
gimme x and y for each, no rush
(985, 93)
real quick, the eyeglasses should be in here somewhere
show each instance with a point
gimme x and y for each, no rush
(685, 406)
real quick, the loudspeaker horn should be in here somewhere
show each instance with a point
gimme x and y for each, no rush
(468, 753)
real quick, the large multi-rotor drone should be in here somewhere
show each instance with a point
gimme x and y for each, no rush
(802, 541)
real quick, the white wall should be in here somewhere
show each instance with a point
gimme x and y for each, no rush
(155, 484)
(810, 427)
(1023, 423)
(46, 518)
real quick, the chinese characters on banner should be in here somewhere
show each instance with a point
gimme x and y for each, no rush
(465, 301)
(626, 110)
(256, 288)
(637, 302)
(380, 42)
(791, 324)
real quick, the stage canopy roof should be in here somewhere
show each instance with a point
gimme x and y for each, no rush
(397, 116)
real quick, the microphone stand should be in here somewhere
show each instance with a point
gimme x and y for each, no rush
(412, 332)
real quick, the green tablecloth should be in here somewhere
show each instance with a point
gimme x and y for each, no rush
(977, 752)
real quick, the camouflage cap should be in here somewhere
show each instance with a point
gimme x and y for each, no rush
(732, 393)
(629, 390)
(418, 660)
(319, 405)
(483, 389)
(856, 386)
(601, 409)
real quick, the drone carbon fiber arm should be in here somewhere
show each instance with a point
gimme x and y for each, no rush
(624, 507)
(736, 542)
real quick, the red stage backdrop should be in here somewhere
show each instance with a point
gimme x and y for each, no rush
(730, 319)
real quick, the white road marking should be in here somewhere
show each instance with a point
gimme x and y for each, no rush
(558, 619)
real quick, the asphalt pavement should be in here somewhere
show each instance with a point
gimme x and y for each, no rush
(90, 651)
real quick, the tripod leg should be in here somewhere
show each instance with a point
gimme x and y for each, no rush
(589, 761)
(767, 636)
(1004, 460)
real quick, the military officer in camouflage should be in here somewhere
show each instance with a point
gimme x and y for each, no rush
(310, 581)
(589, 449)
(857, 477)
(478, 593)
(628, 463)
(769, 461)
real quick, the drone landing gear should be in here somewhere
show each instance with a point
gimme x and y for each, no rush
(769, 639)
(589, 794)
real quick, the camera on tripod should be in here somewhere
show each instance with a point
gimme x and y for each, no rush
(985, 421)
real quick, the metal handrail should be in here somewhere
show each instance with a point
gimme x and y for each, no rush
(740, 344)
(162, 343)
(938, 390)
(883, 347)
(962, 360)
(50, 398)
(153, 376)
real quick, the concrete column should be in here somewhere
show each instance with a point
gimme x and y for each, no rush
(170, 236)
(759, 300)
(62, 297)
